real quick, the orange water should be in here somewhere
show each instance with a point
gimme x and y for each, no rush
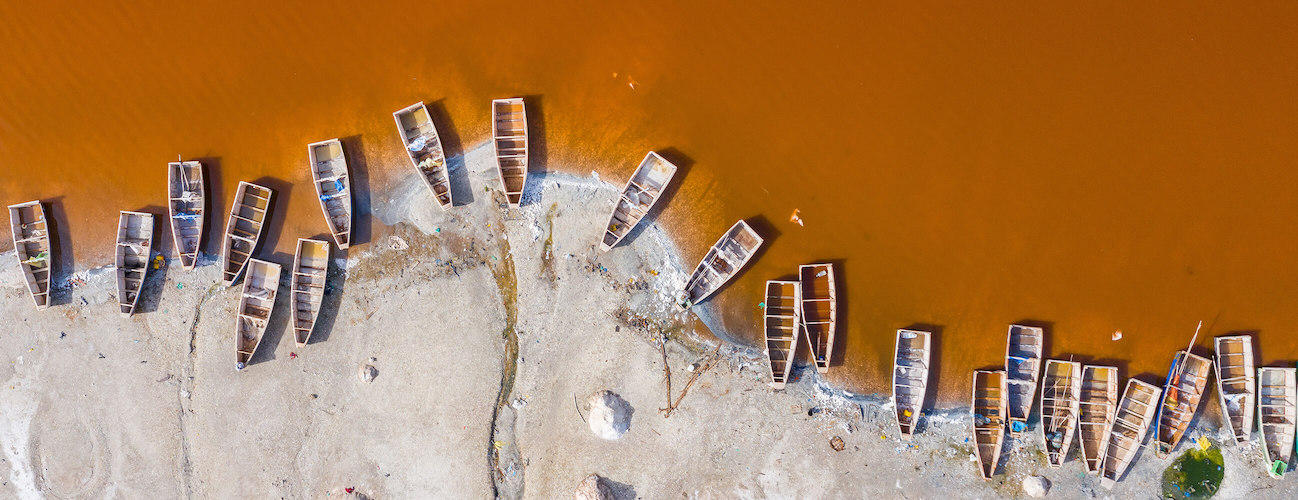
(1097, 167)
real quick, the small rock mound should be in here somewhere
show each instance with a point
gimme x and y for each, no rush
(1036, 486)
(367, 373)
(592, 488)
(610, 415)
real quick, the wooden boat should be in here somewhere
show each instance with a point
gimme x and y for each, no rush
(509, 134)
(1186, 381)
(1235, 384)
(1061, 393)
(243, 231)
(1023, 367)
(1135, 414)
(780, 324)
(722, 262)
(1098, 405)
(334, 188)
(255, 306)
(310, 271)
(910, 378)
(1276, 416)
(186, 205)
(134, 242)
(989, 394)
(638, 197)
(31, 234)
(424, 147)
(819, 311)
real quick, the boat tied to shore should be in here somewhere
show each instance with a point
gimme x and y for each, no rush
(1276, 416)
(1233, 356)
(988, 409)
(910, 378)
(1186, 381)
(333, 187)
(819, 311)
(186, 206)
(256, 304)
(722, 262)
(131, 257)
(509, 137)
(1096, 409)
(780, 317)
(1061, 392)
(423, 146)
(641, 193)
(1135, 415)
(31, 234)
(1023, 367)
(310, 272)
(243, 230)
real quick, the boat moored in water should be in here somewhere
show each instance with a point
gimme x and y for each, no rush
(910, 378)
(722, 262)
(639, 196)
(134, 244)
(31, 233)
(780, 318)
(333, 187)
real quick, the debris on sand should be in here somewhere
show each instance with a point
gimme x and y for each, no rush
(367, 372)
(610, 415)
(837, 443)
(592, 488)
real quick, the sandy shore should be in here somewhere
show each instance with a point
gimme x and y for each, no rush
(489, 328)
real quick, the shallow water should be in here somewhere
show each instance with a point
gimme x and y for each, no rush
(1090, 168)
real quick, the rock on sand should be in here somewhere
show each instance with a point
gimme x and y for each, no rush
(592, 488)
(610, 415)
(1036, 486)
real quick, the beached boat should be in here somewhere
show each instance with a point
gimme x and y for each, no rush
(1276, 416)
(910, 378)
(310, 271)
(255, 306)
(1023, 367)
(1061, 393)
(186, 205)
(134, 242)
(1099, 404)
(243, 231)
(642, 191)
(509, 134)
(1235, 384)
(1186, 381)
(333, 186)
(780, 324)
(989, 418)
(1135, 414)
(31, 234)
(722, 262)
(819, 311)
(424, 147)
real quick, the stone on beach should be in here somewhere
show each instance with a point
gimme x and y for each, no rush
(367, 373)
(592, 488)
(610, 415)
(1036, 486)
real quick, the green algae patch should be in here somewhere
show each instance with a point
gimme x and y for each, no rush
(1195, 474)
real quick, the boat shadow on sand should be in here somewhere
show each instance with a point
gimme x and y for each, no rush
(151, 289)
(683, 164)
(456, 172)
(335, 281)
(63, 259)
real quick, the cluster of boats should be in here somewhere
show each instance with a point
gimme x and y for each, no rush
(1083, 400)
(187, 210)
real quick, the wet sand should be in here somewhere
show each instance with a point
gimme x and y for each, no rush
(488, 330)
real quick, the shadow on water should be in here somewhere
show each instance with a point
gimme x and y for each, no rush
(215, 209)
(683, 164)
(280, 319)
(274, 226)
(151, 289)
(766, 230)
(841, 338)
(62, 251)
(461, 188)
(359, 171)
(538, 153)
(335, 281)
(934, 369)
